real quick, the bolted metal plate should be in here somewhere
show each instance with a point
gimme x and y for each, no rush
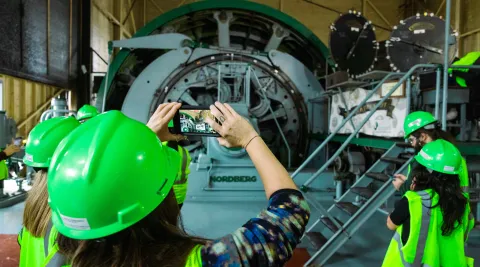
(353, 43)
(419, 40)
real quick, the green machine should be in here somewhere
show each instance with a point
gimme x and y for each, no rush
(271, 69)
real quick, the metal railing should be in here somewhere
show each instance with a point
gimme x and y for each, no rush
(347, 119)
(359, 126)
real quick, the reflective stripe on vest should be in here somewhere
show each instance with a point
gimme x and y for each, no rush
(46, 239)
(464, 179)
(426, 242)
(422, 237)
(426, 203)
(52, 257)
(56, 260)
(180, 184)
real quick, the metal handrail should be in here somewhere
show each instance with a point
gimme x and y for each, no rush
(354, 133)
(348, 118)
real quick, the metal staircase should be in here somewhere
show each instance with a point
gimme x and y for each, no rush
(365, 196)
(355, 206)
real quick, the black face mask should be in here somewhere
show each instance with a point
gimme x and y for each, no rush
(417, 148)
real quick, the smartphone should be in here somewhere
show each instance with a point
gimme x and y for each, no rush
(190, 120)
(18, 141)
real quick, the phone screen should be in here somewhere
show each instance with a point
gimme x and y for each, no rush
(192, 121)
(17, 141)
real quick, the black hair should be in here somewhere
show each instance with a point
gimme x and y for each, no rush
(452, 201)
(434, 130)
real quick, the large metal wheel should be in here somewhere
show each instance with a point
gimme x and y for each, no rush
(419, 40)
(250, 27)
(353, 43)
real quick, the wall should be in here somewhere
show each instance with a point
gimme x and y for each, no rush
(464, 19)
(25, 100)
(110, 21)
(39, 40)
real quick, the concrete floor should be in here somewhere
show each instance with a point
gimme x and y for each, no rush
(209, 219)
(366, 248)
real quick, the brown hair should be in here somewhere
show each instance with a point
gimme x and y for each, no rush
(37, 213)
(156, 240)
(436, 133)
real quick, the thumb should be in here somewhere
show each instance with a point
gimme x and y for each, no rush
(222, 141)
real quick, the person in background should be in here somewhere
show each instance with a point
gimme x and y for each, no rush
(431, 221)
(469, 78)
(4, 155)
(181, 182)
(141, 228)
(37, 237)
(86, 112)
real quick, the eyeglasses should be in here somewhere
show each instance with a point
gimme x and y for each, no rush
(411, 139)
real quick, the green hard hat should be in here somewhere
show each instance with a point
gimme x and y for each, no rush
(440, 156)
(107, 175)
(44, 138)
(417, 120)
(86, 112)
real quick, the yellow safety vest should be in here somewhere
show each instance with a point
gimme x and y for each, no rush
(426, 246)
(195, 257)
(464, 184)
(3, 170)
(40, 251)
(181, 183)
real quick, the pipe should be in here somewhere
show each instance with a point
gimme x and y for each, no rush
(370, 114)
(105, 91)
(437, 94)
(349, 117)
(275, 119)
(338, 190)
(446, 63)
(47, 113)
(409, 94)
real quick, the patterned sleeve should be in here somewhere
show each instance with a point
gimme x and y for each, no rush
(267, 240)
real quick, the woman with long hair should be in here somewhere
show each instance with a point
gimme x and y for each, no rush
(115, 197)
(37, 237)
(431, 220)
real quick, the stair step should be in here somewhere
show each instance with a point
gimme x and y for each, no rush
(394, 160)
(316, 239)
(403, 144)
(329, 224)
(378, 176)
(363, 192)
(347, 207)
